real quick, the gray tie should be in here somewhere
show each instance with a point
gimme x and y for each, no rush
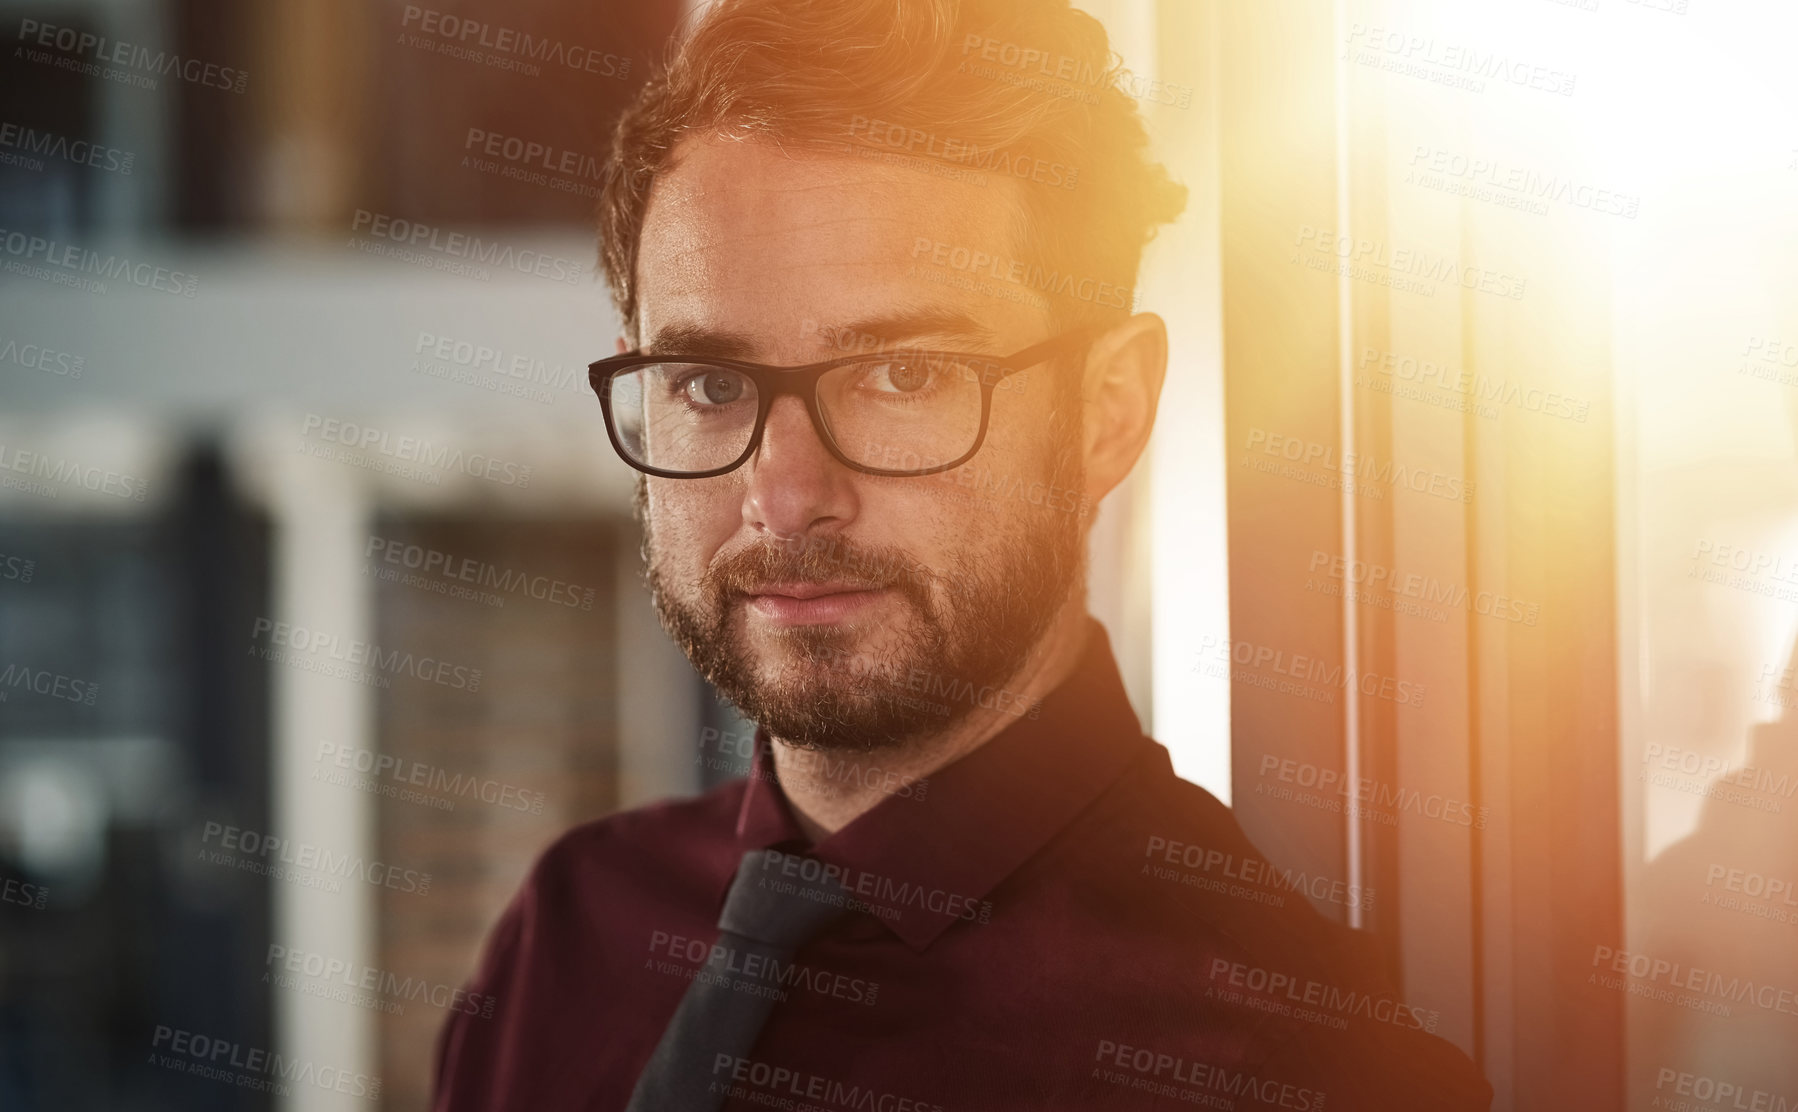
(768, 913)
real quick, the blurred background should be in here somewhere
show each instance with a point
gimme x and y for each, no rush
(1474, 487)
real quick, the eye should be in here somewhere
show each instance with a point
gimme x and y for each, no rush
(899, 376)
(715, 388)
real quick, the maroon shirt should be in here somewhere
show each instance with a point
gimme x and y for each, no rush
(1054, 921)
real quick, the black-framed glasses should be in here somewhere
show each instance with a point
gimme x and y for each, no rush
(884, 413)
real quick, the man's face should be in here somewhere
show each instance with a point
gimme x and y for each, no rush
(837, 608)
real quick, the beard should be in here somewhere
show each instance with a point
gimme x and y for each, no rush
(972, 624)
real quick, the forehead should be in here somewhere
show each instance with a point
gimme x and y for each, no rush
(748, 238)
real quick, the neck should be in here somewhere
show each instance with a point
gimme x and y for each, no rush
(824, 800)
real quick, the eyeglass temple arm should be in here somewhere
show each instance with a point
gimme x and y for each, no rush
(1053, 346)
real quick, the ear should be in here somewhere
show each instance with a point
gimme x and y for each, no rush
(1125, 368)
(622, 347)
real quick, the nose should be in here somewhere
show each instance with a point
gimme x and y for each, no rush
(795, 485)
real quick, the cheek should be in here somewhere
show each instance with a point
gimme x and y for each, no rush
(1011, 462)
(693, 518)
(1005, 493)
(1017, 437)
(946, 522)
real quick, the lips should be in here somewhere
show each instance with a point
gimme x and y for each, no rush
(810, 590)
(812, 603)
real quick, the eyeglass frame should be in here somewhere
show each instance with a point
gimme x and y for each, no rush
(773, 381)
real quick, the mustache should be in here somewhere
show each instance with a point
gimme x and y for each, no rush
(816, 559)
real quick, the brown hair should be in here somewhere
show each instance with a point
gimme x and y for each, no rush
(983, 82)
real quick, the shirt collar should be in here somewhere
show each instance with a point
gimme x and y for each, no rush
(980, 817)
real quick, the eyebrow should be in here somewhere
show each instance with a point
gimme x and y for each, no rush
(898, 327)
(693, 339)
(884, 329)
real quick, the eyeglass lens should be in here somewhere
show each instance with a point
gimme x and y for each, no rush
(897, 413)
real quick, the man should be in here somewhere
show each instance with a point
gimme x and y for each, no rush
(874, 260)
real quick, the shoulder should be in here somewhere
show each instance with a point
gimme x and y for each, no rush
(1179, 854)
(570, 941)
(669, 845)
(1152, 818)
(1190, 859)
